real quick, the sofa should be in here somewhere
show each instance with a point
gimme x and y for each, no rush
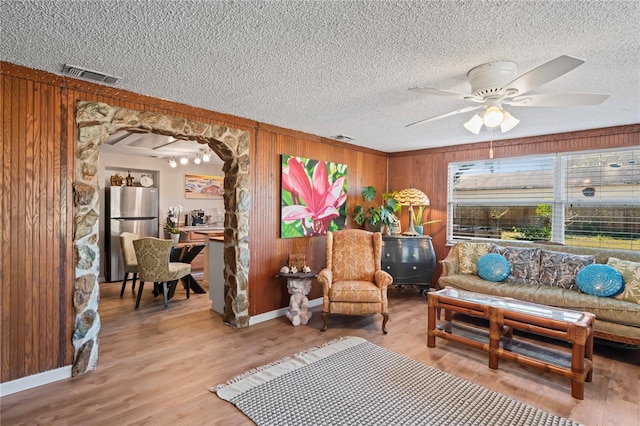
(545, 274)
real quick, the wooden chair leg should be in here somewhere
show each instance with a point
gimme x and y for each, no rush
(133, 284)
(165, 293)
(385, 317)
(140, 287)
(324, 320)
(124, 283)
(188, 286)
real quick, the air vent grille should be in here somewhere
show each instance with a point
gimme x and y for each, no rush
(79, 72)
(343, 138)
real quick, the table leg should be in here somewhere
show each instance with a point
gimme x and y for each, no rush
(432, 306)
(577, 361)
(589, 354)
(495, 328)
(189, 281)
(577, 371)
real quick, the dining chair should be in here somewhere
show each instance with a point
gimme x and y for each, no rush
(353, 281)
(129, 259)
(154, 265)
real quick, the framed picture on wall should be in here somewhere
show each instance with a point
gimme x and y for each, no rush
(313, 195)
(203, 187)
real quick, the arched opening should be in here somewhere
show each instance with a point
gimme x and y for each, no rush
(95, 122)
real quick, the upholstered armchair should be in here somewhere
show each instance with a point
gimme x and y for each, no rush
(129, 259)
(353, 281)
(153, 256)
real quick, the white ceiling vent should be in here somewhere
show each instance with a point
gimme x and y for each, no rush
(79, 72)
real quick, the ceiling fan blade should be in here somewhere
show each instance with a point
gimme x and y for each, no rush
(447, 93)
(542, 74)
(557, 100)
(448, 114)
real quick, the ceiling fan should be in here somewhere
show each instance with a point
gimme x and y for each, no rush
(496, 83)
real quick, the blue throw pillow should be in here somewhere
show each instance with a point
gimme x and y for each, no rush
(599, 280)
(493, 267)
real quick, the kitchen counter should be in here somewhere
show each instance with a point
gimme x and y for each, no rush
(214, 269)
(198, 234)
(213, 236)
(201, 228)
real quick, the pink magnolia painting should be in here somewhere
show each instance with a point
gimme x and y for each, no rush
(313, 197)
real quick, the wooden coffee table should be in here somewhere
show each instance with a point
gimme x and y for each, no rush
(505, 315)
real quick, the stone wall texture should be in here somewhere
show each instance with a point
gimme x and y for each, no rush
(96, 121)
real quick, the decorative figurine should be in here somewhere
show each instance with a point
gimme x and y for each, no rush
(294, 270)
(298, 312)
(306, 269)
(284, 270)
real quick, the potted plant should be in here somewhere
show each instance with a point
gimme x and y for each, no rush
(374, 217)
(417, 217)
(172, 223)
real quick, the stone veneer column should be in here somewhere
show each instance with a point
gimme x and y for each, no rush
(96, 121)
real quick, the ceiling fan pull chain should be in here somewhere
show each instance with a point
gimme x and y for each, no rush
(491, 143)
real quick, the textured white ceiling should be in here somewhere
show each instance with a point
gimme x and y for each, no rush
(330, 68)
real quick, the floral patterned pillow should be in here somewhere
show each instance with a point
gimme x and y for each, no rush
(560, 269)
(631, 276)
(469, 253)
(525, 263)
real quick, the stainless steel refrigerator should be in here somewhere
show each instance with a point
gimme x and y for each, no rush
(128, 209)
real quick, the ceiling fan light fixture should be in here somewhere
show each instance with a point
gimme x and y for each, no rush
(508, 123)
(474, 125)
(493, 117)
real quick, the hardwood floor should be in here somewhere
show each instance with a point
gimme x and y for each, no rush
(156, 366)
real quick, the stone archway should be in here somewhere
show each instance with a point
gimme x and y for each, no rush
(96, 121)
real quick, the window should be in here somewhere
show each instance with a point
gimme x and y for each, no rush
(587, 199)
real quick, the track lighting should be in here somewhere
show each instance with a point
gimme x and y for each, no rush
(203, 155)
(206, 155)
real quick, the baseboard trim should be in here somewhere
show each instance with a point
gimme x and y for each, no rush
(266, 316)
(35, 380)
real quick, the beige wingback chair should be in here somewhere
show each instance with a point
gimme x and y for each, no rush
(154, 265)
(353, 281)
(129, 259)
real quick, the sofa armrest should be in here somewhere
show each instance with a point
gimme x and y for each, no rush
(451, 263)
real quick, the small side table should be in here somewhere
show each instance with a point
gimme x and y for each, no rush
(298, 285)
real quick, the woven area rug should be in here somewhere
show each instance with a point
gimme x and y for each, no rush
(351, 381)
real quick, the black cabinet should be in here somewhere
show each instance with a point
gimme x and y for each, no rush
(410, 260)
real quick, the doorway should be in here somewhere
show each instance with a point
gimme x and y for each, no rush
(95, 122)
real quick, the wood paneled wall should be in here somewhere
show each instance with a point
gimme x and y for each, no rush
(36, 269)
(38, 151)
(427, 170)
(269, 252)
